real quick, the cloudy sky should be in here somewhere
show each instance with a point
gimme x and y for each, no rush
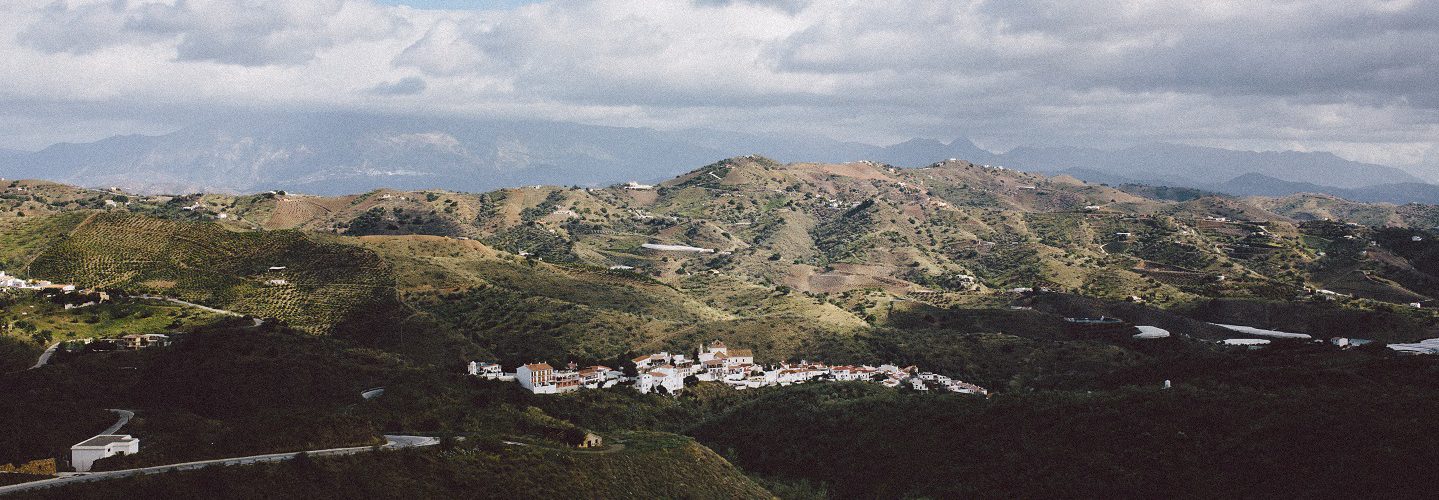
(1357, 77)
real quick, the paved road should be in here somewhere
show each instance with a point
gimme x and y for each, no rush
(191, 304)
(392, 442)
(45, 356)
(125, 416)
(258, 321)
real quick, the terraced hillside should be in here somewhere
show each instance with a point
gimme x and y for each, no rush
(314, 286)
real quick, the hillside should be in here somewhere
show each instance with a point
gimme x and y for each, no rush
(960, 269)
(742, 245)
(315, 286)
(650, 466)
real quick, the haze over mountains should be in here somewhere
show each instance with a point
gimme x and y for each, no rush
(334, 153)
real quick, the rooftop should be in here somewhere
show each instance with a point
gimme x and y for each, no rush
(104, 440)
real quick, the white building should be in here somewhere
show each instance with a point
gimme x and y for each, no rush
(665, 376)
(84, 454)
(539, 378)
(486, 370)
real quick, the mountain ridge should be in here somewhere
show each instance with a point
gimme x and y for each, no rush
(337, 153)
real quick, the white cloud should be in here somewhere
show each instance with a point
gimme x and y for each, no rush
(1353, 76)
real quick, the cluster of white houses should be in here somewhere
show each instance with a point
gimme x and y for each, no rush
(666, 372)
(8, 281)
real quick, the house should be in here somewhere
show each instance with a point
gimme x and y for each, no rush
(141, 341)
(637, 186)
(567, 381)
(739, 357)
(665, 376)
(539, 378)
(591, 440)
(645, 362)
(84, 454)
(593, 375)
(484, 369)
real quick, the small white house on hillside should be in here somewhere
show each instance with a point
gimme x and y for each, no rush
(84, 454)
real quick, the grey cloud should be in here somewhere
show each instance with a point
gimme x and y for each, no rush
(1341, 52)
(257, 33)
(79, 30)
(788, 6)
(1238, 73)
(405, 86)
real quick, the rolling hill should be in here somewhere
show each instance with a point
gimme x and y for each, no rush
(313, 286)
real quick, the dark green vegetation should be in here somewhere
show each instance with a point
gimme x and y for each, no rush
(650, 466)
(1259, 431)
(217, 392)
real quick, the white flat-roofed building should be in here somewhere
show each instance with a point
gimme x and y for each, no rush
(84, 454)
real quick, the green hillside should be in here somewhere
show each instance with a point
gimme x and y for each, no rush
(315, 286)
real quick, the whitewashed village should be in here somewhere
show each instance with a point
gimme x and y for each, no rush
(666, 373)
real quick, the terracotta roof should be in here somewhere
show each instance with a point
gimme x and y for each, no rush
(742, 353)
(539, 366)
(641, 358)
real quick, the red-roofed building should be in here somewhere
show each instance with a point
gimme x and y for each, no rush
(537, 377)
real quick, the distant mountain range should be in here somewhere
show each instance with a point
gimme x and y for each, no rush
(332, 153)
(1398, 193)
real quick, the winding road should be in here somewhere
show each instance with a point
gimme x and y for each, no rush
(45, 356)
(125, 416)
(187, 303)
(392, 443)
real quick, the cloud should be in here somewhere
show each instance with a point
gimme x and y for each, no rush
(1354, 76)
(411, 85)
(248, 33)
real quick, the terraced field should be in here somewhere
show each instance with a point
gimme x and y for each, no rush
(284, 275)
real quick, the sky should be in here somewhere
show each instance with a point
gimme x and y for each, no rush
(1356, 77)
